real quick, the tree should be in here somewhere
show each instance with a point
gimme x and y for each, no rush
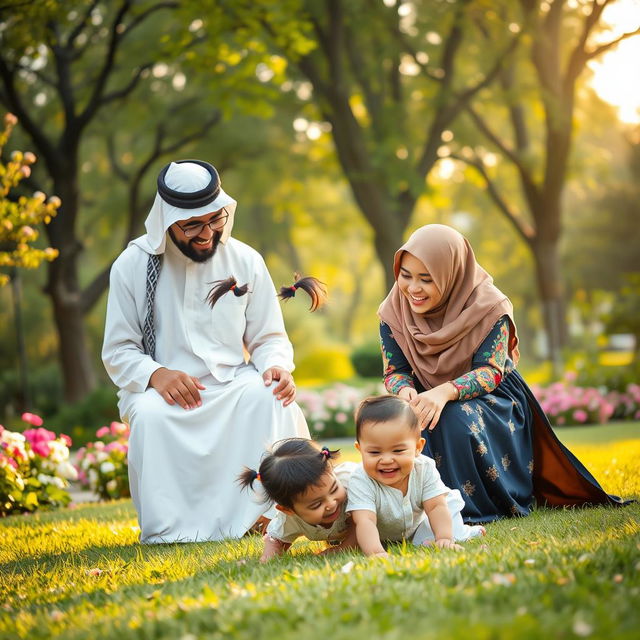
(20, 216)
(555, 52)
(61, 68)
(390, 80)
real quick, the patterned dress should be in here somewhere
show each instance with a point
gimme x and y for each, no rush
(495, 444)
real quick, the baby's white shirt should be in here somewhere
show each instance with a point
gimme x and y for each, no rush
(397, 516)
(287, 527)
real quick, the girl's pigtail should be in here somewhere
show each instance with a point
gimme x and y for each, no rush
(223, 286)
(248, 477)
(316, 290)
(327, 454)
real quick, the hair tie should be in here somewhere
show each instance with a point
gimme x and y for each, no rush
(325, 452)
(257, 476)
(233, 287)
(310, 285)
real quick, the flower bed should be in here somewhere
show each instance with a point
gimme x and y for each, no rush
(567, 405)
(34, 468)
(329, 412)
(102, 465)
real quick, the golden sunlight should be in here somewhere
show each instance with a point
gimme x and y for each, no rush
(616, 74)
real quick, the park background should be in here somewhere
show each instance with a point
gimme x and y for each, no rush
(339, 127)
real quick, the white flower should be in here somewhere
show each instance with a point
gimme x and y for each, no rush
(107, 467)
(67, 470)
(112, 485)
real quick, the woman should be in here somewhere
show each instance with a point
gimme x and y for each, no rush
(449, 345)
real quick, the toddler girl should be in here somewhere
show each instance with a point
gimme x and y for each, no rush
(309, 493)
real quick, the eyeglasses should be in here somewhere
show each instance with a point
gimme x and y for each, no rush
(196, 228)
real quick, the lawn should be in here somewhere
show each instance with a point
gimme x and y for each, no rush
(79, 573)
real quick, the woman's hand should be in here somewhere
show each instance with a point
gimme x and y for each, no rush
(428, 405)
(408, 393)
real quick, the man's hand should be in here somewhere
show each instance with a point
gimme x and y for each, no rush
(177, 387)
(285, 390)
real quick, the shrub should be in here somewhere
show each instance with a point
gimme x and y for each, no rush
(324, 363)
(34, 468)
(367, 360)
(84, 417)
(330, 412)
(102, 465)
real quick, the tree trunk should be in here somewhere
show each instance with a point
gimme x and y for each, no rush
(548, 275)
(77, 369)
(64, 290)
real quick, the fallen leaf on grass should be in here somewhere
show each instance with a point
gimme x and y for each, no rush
(618, 578)
(582, 628)
(94, 572)
(56, 615)
(346, 568)
(529, 562)
(503, 579)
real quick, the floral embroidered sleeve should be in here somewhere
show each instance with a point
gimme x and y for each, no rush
(397, 370)
(488, 364)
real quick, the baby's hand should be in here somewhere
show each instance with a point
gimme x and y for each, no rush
(447, 543)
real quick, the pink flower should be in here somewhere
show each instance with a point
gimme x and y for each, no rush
(119, 429)
(102, 432)
(39, 440)
(33, 419)
(66, 439)
(41, 449)
(580, 415)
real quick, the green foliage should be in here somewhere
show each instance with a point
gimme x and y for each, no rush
(102, 465)
(367, 360)
(324, 363)
(590, 374)
(81, 419)
(20, 215)
(624, 317)
(34, 469)
(555, 574)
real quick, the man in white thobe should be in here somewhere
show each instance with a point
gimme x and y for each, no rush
(205, 390)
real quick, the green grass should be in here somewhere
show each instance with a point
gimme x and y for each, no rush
(79, 573)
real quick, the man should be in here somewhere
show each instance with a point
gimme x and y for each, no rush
(205, 390)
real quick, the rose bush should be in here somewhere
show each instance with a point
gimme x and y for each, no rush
(102, 465)
(34, 468)
(330, 411)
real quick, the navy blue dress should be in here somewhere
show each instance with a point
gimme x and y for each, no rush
(495, 444)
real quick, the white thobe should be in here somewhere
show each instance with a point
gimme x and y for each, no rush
(183, 464)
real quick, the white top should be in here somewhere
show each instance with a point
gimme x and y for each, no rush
(190, 336)
(287, 528)
(398, 516)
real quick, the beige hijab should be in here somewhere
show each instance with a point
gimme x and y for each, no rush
(440, 343)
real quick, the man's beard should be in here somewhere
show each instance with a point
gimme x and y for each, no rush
(189, 249)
